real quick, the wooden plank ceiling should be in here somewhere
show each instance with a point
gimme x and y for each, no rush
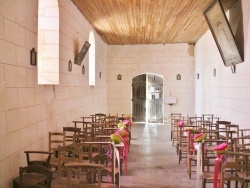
(120, 22)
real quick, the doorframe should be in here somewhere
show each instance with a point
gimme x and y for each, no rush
(163, 98)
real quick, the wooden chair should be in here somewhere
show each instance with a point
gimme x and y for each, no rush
(69, 154)
(113, 169)
(182, 144)
(33, 176)
(230, 169)
(174, 117)
(55, 139)
(232, 131)
(90, 166)
(41, 158)
(99, 184)
(242, 144)
(220, 127)
(176, 133)
(191, 153)
(207, 160)
(105, 160)
(245, 174)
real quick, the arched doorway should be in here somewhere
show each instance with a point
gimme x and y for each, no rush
(147, 98)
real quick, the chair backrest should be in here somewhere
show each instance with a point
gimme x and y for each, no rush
(68, 153)
(99, 117)
(182, 139)
(38, 158)
(56, 139)
(233, 131)
(207, 117)
(69, 133)
(190, 142)
(232, 162)
(245, 173)
(112, 153)
(175, 116)
(221, 125)
(194, 121)
(38, 169)
(207, 153)
(242, 144)
(81, 138)
(244, 132)
(112, 120)
(101, 159)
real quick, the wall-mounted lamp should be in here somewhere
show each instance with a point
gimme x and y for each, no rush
(178, 77)
(198, 76)
(119, 77)
(70, 66)
(214, 72)
(33, 57)
(100, 74)
(83, 69)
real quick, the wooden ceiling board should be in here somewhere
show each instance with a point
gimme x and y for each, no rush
(120, 22)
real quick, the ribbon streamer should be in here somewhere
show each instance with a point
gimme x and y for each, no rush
(216, 171)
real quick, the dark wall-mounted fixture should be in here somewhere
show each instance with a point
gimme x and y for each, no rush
(214, 72)
(198, 76)
(119, 77)
(33, 57)
(70, 66)
(178, 77)
(83, 69)
(82, 53)
(100, 74)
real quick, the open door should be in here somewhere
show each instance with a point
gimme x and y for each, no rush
(154, 99)
(147, 98)
(139, 98)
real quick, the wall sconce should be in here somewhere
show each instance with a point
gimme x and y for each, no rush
(119, 77)
(83, 69)
(100, 74)
(198, 76)
(33, 57)
(178, 77)
(214, 72)
(70, 66)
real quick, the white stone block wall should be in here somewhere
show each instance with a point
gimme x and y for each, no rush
(166, 60)
(28, 111)
(227, 95)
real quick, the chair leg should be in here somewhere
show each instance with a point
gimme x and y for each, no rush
(180, 152)
(242, 184)
(203, 183)
(189, 168)
(117, 181)
(177, 149)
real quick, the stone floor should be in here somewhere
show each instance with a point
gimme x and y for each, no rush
(153, 162)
